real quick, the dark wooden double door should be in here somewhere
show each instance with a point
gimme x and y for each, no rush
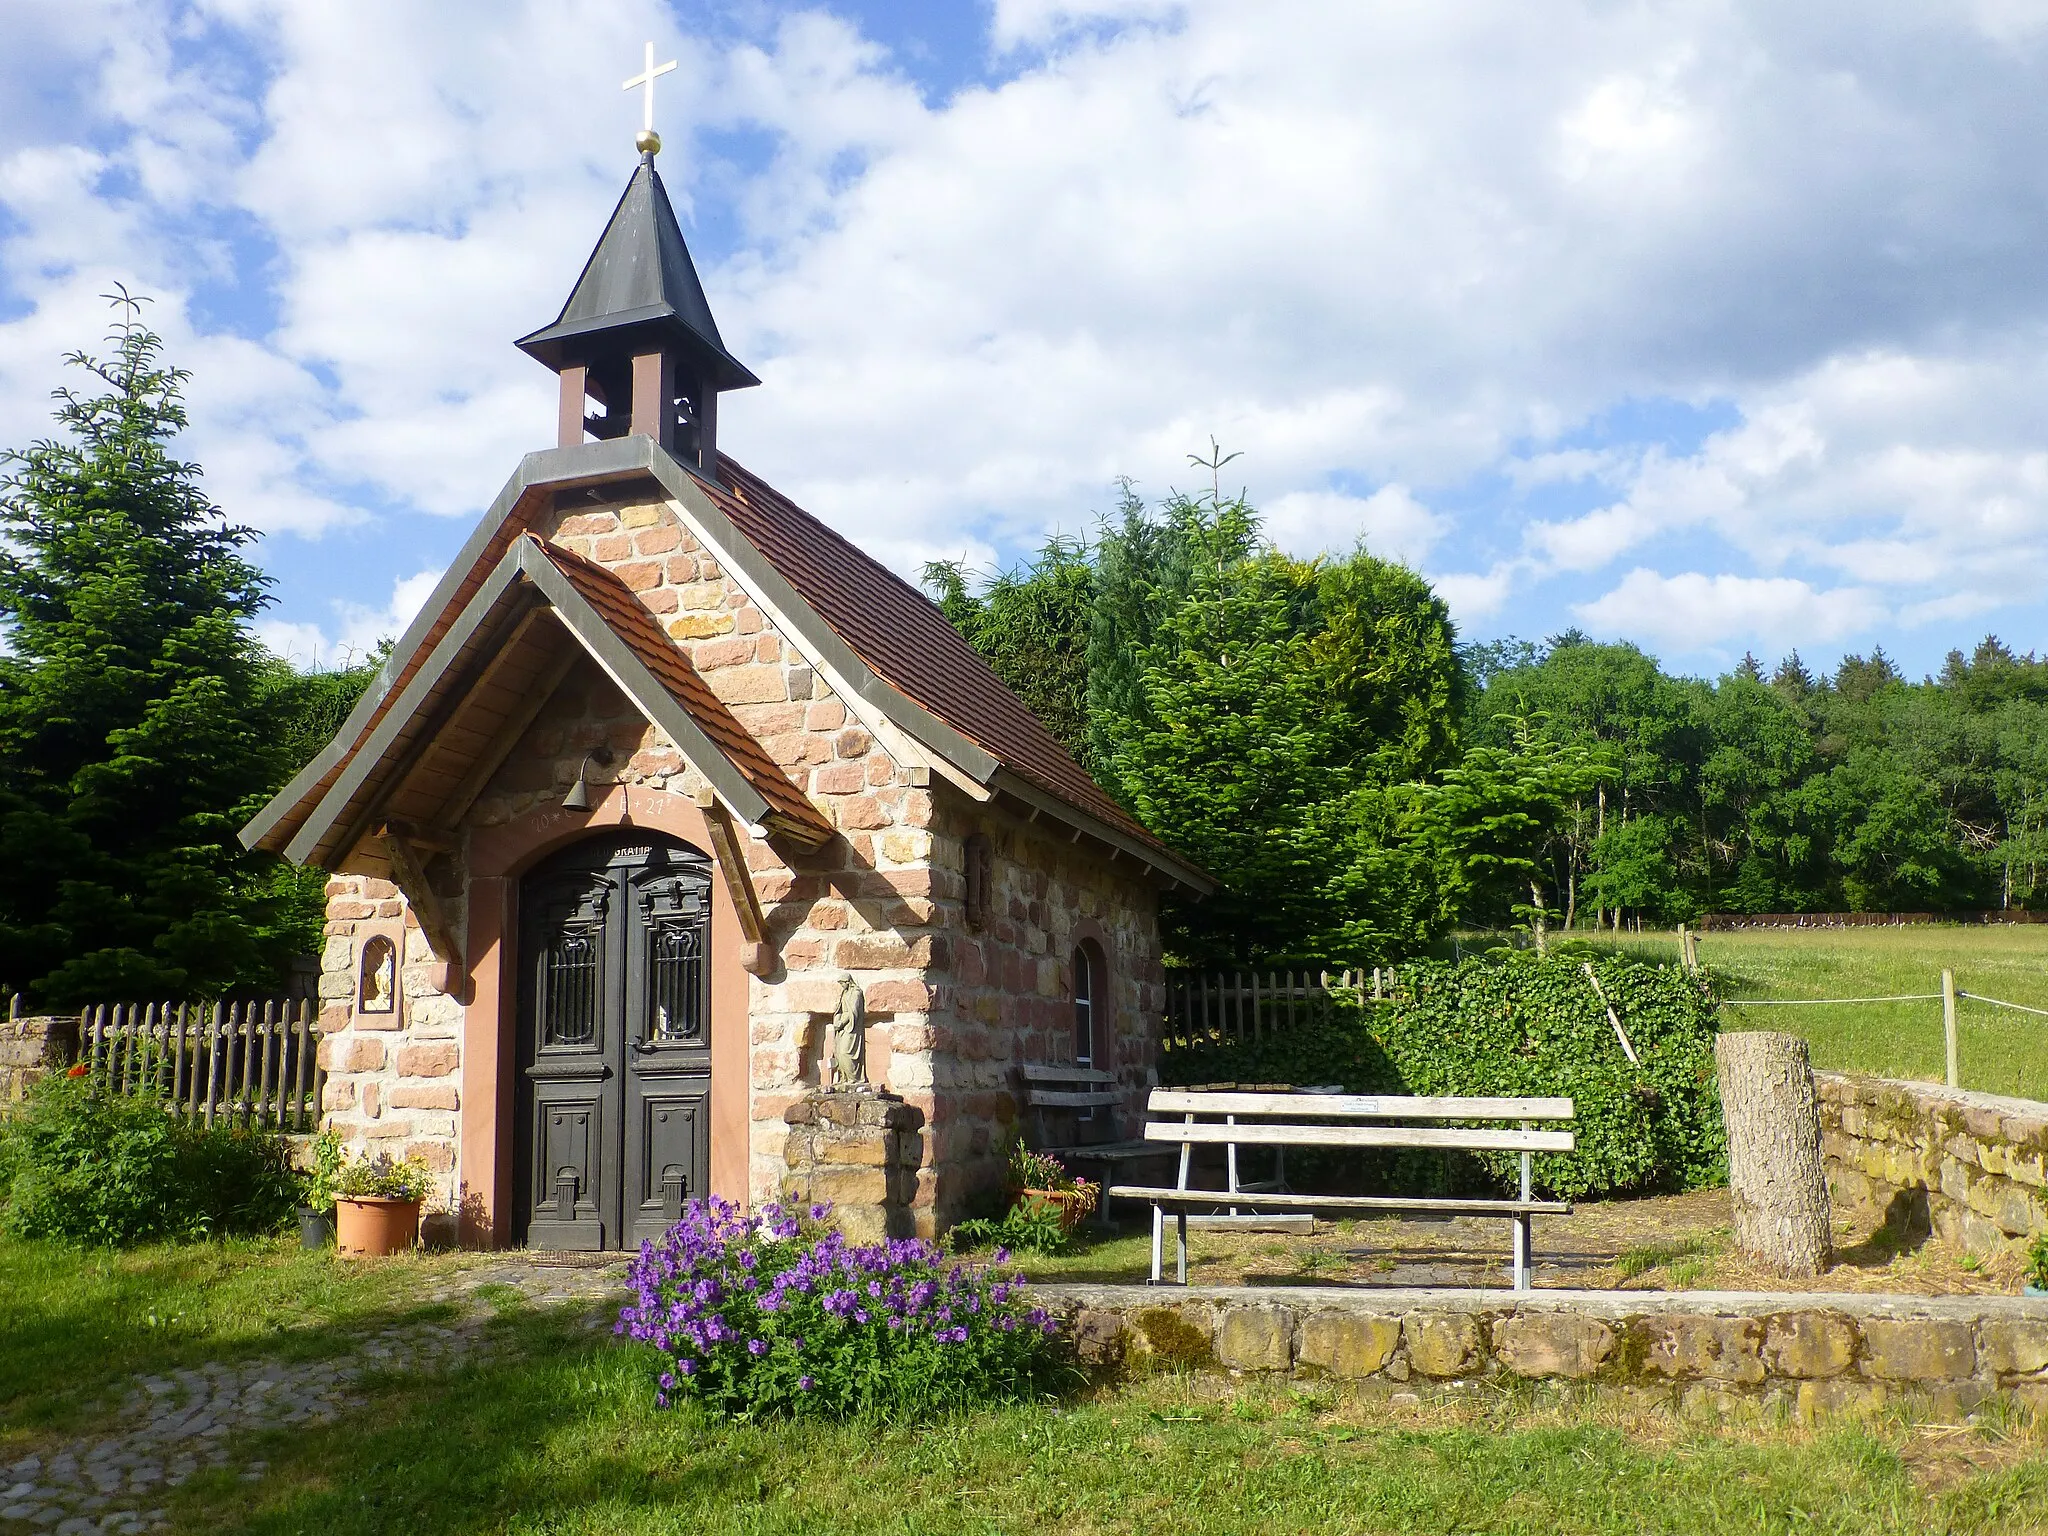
(614, 1050)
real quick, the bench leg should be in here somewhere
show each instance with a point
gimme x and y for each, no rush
(1180, 1218)
(1522, 1222)
(1158, 1242)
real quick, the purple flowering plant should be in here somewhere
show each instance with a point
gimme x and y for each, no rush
(775, 1312)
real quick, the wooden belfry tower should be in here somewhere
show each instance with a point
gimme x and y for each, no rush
(636, 337)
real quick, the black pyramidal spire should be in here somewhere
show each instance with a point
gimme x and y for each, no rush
(637, 335)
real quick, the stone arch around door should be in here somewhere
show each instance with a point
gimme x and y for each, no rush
(499, 859)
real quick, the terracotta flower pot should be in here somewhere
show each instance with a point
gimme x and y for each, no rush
(370, 1226)
(1072, 1204)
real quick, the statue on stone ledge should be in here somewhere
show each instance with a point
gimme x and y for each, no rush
(850, 1037)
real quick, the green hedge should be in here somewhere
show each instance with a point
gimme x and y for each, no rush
(84, 1164)
(1517, 1025)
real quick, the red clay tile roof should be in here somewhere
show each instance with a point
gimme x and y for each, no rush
(901, 634)
(632, 623)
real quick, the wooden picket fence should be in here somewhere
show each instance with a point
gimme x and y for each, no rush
(246, 1063)
(1212, 1007)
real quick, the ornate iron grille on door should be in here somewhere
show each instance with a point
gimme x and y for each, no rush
(676, 921)
(572, 978)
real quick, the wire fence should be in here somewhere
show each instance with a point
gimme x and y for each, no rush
(1814, 1002)
(1949, 997)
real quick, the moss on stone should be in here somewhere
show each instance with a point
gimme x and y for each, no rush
(1173, 1339)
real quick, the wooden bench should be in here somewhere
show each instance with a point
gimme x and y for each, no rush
(1277, 1120)
(1079, 1090)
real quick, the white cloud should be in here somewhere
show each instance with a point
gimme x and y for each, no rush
(1695, 612)
(1589, 542)
(1472, 595)
(1413, 247)
(1393, 524)
(358, 629)
(1895, 471)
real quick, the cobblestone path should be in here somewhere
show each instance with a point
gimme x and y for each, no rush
(169, 1427)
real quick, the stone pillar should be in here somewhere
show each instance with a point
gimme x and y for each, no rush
(31, 1048)
(859, 1150)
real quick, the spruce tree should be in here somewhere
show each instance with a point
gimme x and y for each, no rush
(132, 705)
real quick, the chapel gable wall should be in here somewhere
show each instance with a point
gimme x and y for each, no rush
(862, 903)
(952, 1010)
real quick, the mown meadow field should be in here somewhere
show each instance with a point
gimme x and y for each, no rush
(2001, 1051)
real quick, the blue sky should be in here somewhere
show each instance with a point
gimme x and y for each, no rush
(1717, 326)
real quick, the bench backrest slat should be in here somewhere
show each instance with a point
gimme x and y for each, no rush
(1047, 1072)
(1332, 1106)
(1051, 1098)
(1465, 1138)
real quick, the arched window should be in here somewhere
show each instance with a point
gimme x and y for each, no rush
(378, 988)
(1087, 982)
(980, 892)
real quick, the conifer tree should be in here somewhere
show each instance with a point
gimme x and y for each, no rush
(132, 697)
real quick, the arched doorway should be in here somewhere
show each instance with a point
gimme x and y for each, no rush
(613, 1055)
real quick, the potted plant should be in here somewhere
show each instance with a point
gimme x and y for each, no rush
(2037, 1265)
(1039, 1178)
(377, 1205)
(316, 1211)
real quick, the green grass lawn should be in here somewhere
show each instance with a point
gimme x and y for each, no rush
(2001, 1051)
(555, 1430)
(74, 1324)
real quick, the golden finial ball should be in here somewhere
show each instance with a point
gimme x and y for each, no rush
(647, 141)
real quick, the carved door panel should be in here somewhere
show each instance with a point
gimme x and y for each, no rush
(668, 1064)
(613, 1094)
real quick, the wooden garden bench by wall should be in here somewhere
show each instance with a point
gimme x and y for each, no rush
(1277, 1120)
(1072, 1093)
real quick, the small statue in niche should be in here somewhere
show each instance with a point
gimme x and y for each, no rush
(850, 1037)
(380, 976)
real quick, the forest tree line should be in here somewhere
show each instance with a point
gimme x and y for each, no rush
(1314, 734)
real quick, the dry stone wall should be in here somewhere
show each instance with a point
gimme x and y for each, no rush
(1970, 1167)
(1813, 1355)
(859, 1152)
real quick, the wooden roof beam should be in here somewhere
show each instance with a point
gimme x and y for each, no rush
(409, 874)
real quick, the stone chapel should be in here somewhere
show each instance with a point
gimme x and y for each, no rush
(663, 761)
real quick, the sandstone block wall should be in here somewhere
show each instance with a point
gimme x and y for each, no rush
(31, 1048)
(1012, 992)
(1811, 1354)
(862, 904)
(1970, 1167)
(394, 1080)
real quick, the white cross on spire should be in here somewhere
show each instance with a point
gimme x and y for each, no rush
(646, 78)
